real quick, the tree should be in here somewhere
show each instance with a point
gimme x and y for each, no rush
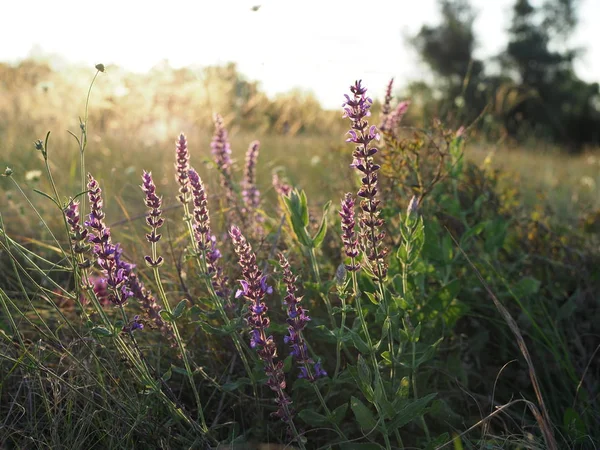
(562, 106)
(447, 49)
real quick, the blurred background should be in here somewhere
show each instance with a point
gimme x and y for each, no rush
(515, 68)
(520, 75)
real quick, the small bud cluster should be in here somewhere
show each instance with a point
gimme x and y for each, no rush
(250, 193)
(348, 235)
(393, 119)
(386, 108)
(221, 150)
(297, 320)
(153, 217)
(78, 233)
(280, 186)
(182, 167)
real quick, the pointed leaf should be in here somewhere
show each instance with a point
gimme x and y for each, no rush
(363, 415)
(318, 239)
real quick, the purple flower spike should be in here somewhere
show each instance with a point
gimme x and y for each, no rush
(153, 217)
(221, 150)
(370, 224)
(348, 235)
(297, 320)
(250, 192)
(182, 166)
(386, 108)
(254, 289)
(206, 242)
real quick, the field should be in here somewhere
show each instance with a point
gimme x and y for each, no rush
(449, 301)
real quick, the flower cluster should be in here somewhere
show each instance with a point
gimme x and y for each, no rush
(280, 186)
(108, 255)
(250, 193)
(153, 217)
(78, 233)
(254, 289)
(297, 320)
(182, 167)
(386, 107)
(393, 119)
(348, 235)
(207, 243)
(357, 109)
(221, 150)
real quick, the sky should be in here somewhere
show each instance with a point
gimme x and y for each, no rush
(316, 45)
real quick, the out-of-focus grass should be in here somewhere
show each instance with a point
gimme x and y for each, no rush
(567, 184)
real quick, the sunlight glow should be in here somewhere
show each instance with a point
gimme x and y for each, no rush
(320, 46)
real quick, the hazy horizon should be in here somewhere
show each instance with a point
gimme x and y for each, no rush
(315, 46)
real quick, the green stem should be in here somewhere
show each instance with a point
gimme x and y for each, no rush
(378, 379)
(83, 143)
(238, 344)
(414, 386)
(182, 350)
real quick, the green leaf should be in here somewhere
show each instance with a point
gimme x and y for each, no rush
(409, 412)
(428, 353)
(179, 309)
(101, 332)
(312, 418)
(363, 371)
(338, 414)
(473, 231)
(573, 423)
(47, 196)
(235, 385)
(360, 345)
(167, 375)
(381, 399)
(209, 329)
(287, 364)
(365, 388)
(371, 296)
(363, 415)
(304, 208)
(318, 239)
(526, 287)
(166, 315)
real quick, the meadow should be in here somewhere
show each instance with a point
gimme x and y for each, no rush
(355, 282)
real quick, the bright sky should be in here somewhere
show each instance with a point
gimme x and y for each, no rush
(318, 45)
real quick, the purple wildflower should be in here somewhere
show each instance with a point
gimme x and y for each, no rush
(182, 167)
(357, 109)
(221, 150)
(135, 324)
(281, 187)
(153, 217)
(254, 289)
(348, 235)
(297, 320)
(393, 119)
(386, 108)
(250, 193)
(207, 243)
(108, 255)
